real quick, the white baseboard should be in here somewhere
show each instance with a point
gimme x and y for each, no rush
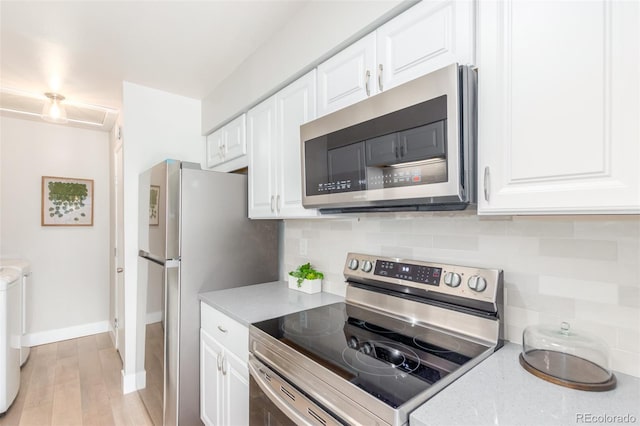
(153, 317)
(133, 382)
(57, 335)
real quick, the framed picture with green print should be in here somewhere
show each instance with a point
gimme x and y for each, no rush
(67, 201)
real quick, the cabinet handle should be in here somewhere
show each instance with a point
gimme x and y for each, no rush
(487, 183)
(118, 270)
(218, 362)
(380, 77)
(221, 328)
(367, 77)
(278, 203)
(224, 369)
(271, 204)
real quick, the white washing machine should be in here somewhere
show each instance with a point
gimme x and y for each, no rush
(24, 268)
(10, 336)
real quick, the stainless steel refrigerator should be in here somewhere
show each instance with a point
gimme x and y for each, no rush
(194, 236)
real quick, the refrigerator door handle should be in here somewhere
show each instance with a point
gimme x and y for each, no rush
(149, 256)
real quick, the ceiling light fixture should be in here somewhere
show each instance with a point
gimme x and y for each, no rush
(53, 111)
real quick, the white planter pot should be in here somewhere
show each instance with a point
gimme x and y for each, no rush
(307, 286)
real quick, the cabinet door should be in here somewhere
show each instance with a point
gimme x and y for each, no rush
(426, 37)
(236, 390)
(211, 380)
(347, 77)
(235, 144)
(261, 134)
(296, 105)
(214, 150)
(558, 107)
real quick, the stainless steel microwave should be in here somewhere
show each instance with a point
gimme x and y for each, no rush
(412, 147)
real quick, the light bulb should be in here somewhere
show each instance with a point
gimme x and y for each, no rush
(53, 110)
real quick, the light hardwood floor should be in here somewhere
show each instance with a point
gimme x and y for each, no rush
(75, 382)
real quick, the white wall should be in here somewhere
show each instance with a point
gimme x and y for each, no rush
(583, 270)
(320, 29)
(70, 282)
(156, 126)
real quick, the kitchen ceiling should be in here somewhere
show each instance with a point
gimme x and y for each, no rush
(85, 50)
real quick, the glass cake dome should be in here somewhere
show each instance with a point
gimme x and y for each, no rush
(566, 357)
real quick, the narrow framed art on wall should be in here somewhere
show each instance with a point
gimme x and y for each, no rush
(67, 201)
(154, 200)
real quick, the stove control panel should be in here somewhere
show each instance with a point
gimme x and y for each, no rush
(408, 271)
(480, 285)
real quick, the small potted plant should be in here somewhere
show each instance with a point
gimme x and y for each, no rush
(306, 279)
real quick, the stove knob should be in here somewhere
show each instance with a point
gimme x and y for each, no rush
(353, 264)
(481, 285)
(367, 266)
(452, 279)
(477, 283)
(352, 342)
(366, 348)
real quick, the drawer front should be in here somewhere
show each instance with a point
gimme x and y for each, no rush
(227, 331)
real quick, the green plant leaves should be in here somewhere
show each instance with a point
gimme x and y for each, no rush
(306, 272)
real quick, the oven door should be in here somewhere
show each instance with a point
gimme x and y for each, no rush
(274, 401)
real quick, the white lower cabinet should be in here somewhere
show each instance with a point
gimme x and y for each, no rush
(558, 107)
(224, 375)
(236, 390)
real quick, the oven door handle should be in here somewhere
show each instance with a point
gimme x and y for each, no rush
(258, 371)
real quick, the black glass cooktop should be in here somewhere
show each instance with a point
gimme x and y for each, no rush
(391, 359)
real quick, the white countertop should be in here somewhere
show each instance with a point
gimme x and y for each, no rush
(264, 301)
(499, 391)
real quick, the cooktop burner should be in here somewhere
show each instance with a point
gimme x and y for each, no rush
(311, 324)
(382, 358)
(372, 327)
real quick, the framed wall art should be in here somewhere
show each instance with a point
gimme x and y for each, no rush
(67, 201)
(154, 199)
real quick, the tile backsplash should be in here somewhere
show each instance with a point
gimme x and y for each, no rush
(581, 269)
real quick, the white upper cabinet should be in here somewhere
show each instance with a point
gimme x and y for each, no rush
(214, 152)
(296, 105)
(235, 144)
(429, 36)
(559, 107)
(275, 176)
(347, 77)
(227, 143)
(261, 135)
(426, 37)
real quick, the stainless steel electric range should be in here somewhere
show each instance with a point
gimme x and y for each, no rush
(406, 330)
